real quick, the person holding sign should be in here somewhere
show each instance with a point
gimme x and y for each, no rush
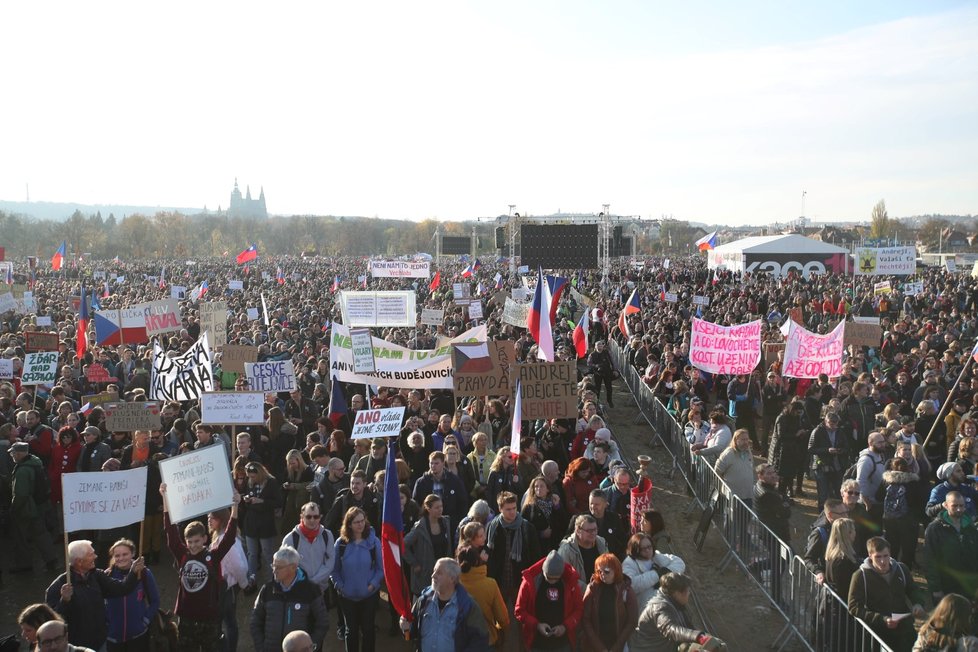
(130, 614)
(199, 591)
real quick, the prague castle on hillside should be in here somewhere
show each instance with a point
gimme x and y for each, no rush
(246, 206)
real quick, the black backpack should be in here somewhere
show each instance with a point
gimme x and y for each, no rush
(850, 473)
(324, 534)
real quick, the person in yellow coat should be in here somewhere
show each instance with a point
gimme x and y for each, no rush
(484, 590)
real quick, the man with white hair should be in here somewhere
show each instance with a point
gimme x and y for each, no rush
(286, 603)
(82, 601)
(446, 618)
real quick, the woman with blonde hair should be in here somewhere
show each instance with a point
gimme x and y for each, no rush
(840, 565)
(736, 467)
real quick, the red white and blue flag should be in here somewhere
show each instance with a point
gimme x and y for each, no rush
(58, 259)
(279, 276)
(435, 281)
(336, 284)
(517, 427)
(581, 332)
(392, 541)
(198, 291)
(81, 335)
(707, 242)
(249, 254)
(337, 408)
(631, 307)
(499, 281)
(538, 319)
(476, 265)
(467, 272)
(557, 285)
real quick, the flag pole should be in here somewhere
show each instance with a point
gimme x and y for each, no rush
(950, 398)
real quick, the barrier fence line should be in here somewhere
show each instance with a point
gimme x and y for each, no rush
(815, 615)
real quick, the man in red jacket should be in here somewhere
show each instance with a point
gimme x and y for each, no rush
(550, 605)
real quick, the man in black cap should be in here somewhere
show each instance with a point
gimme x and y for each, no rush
(29, 510)
(550, 605)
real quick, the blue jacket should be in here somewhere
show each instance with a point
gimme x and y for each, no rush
(937, 495)
(471, 631)
(358, 565)
(130, 615)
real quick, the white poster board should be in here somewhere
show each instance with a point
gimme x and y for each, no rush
(399, 269)
(515, 313)
(43, 320)
(6, 368)
(432, 316)
(184, 377)
(475, 310)
(252, 314)
(232, 408)
(197, 482)
(377, 423)
(363, 351)
(103, 501)
(235, 285)
(178, 292)
(384, 308)
(40, 368)
(277, 376)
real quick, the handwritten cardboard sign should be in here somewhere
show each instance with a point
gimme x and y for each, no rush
(121, 416)
(40, 368)
(234, 357)
(214, 320)
(276, 376)
(384, 422)
(184, 377)
(232, 408)
(548, 390)
(102, 501)
(863, 334)
(34, 341)
(197, 482)
(492, 377)
(96, 373)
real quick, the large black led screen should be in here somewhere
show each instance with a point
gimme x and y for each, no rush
(624, 247)
(566, 246)
(456, 245)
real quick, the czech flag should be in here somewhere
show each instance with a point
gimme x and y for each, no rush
(95, 303)
(633, 306)
(392, 540)
(81, 338)
(476, 265)
(279, 276)
(499, 281)
(581, 332)
(707, 242)
(557, 286)
(337, 408)
(198, 291)
(480, 289)
(467, 272)
(163, 277)
(249, 254)
(336, 284)
(538, 320)
(435, 281)
(517, 427)
(974, 352)
(58, 259)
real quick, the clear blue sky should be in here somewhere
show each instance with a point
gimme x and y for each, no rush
(708, 111)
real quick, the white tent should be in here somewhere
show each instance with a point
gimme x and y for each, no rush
(780, 254)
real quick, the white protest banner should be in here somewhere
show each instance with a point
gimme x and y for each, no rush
(184, 377)
(725, 349)
(43, 320)
(432, 317)
(214, 320)
(252, 314)
(7, 302)
(384, 308)
(103, 501)
(701, 301)
(235, 285)
(399, 269)
(887, 261)
(866, 320)
(808, 354)
(377, 423)
(178, 292)
(128, 416)
(883, 287)
(523, 269)
(276, 376)
(6, 368)
(461, 290)
(671, 297)
(475, 310)
(232, 408)
(913, 289)
(519, 294)
(398, 366)
(951, 265)
(197, 482)
(160, 316)
(40, 368)
(515, 313)
(363, 351)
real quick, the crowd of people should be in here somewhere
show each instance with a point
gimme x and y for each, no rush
(545, 538)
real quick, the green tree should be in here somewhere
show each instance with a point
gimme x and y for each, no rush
(880, 226)
(930, 234)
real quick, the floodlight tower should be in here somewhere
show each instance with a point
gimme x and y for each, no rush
(604, 243)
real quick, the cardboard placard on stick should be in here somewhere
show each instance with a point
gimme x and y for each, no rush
(34, 341)
(100, 399)
(197, 483)
(103, 501)
(40, 368)
(128, 417)
(548, 389)
(234, 357)
(862, 334)
(232, 408)
(495, 380)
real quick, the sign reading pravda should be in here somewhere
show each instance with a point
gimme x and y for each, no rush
(102, 501)
(725, 349)
(385, 422)
(197, 482)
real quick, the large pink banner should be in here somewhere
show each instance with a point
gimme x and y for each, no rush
(808, 354)
(725, 349)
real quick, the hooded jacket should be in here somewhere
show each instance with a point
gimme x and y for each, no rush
(952, 555)
(874, 597)
(130, 615)
(358, 566)
(484, 590)
(316, 558)
(526, 602)
(570, 552)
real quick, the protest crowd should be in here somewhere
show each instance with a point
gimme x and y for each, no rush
(486, 517)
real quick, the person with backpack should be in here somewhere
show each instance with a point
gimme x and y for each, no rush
(315, 545)
(900, 521)
(357, 575)
(951, 544)
(288, 602)
(29, 509)
(818, 537)
(868, 471)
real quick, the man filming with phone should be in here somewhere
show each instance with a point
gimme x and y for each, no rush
(550, 605)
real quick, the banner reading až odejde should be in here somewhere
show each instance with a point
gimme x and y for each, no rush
(725, 349)
(808, 354)
(398, 366)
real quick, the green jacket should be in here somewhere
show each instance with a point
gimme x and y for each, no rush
(23, 481)
(952, 555)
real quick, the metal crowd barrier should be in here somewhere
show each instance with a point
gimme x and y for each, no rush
(814, 615)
